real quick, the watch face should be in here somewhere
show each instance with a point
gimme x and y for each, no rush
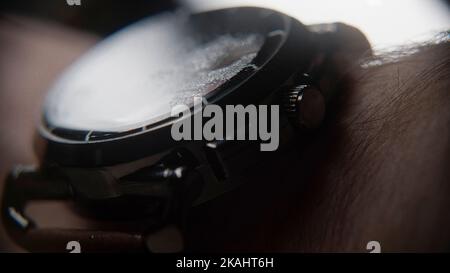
(136, 76)
(114, 105)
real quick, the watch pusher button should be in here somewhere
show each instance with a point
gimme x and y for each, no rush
(304, 104)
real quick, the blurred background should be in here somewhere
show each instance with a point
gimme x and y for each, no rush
(385, 22)
(38, 39)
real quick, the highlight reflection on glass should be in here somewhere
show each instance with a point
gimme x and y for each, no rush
(135, 77)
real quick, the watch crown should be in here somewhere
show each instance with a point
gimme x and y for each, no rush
(304, 105)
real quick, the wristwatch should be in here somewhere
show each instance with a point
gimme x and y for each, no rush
(106, 123)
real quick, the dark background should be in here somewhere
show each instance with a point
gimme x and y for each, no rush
(100, 16)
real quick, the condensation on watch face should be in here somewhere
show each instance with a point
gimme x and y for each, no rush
(135, 77)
